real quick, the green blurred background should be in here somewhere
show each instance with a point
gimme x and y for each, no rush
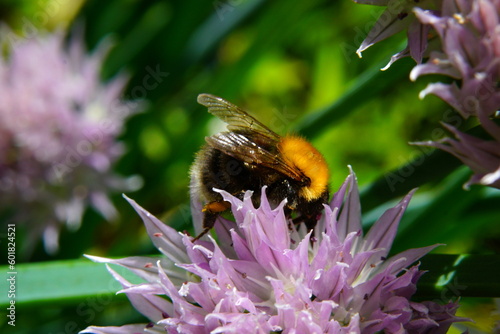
(285, 62)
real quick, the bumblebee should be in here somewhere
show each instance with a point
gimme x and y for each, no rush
(248, 156)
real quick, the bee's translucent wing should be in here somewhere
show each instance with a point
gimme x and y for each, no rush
(247, 149)
(237, 119)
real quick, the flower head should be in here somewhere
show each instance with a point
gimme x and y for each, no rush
(470, 39)
(263, 275)
(58, 129)
(469, 34)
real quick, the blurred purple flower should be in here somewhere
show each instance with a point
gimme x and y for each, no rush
(265, 276)
(471, 53)
(397, 17)
(58, 130)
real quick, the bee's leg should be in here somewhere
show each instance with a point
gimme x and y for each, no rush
(211, 212)
(208, 222)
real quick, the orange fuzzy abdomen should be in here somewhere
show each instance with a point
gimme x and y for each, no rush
(298, 152)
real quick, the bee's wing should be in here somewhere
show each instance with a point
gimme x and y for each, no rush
(247, 150)
(237, 119)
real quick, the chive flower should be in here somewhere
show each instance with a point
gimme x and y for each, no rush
(265, 275)
(469, 34)
(461, 40)
(58, 134)
(470, 53)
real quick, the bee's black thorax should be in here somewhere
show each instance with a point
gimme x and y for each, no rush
(219, 170)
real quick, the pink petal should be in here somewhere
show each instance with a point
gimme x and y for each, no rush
(127, 329)
(153, 307)
(165, 238)
(382, 233)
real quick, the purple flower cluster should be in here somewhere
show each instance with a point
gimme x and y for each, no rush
(469, 32)
(58, 129)
(264, 275)
(462, 40)
(470, 53)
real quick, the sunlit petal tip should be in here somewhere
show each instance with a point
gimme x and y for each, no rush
(386, 67)
(490, 178)
(96, 259)
(415, 73)
(422, 143)
(423, 93)
(351, 171)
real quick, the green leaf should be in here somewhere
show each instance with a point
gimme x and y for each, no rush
(370, 84)
(436, 221)
(147, 26)
(225, 18)
(452, 276)
(432, 166)
(59, 281)
(425, 168)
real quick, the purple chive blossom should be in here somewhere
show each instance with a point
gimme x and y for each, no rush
(470, 36)
(263, 275)
(467, 49)
(397, 17)
(58, 129)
